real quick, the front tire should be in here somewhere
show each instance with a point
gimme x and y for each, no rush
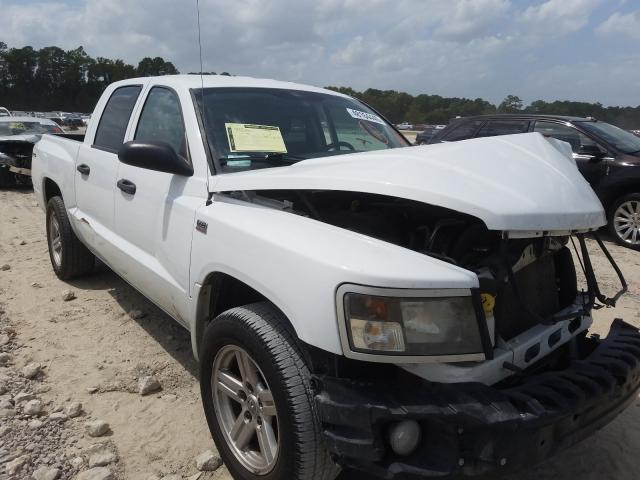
(258, 400)
(624, 221)
(69, 257)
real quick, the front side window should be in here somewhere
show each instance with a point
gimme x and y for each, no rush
(115, 118)
(252, 128)
(564, 133)
(161, 120)
(624, 141)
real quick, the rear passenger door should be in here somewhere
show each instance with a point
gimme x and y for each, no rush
(155, 222)
(96, 170)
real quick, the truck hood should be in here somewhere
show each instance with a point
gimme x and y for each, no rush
(515, 183)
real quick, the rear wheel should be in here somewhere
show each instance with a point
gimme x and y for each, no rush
(258, 399)
(69, 257)
(624, 220)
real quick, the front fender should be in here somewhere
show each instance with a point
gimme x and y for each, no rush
(298, 263)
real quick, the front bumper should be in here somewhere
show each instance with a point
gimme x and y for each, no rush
(472, 429)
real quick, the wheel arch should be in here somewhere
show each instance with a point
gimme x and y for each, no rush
(220, 292)
(50, 189)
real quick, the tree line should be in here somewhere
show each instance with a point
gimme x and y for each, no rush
(434, 109)
(70, 80)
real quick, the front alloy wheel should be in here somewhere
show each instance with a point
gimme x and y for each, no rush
(55, 240)
(258, 400)
(245, 409)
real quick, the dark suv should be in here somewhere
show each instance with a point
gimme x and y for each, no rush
(607, 156)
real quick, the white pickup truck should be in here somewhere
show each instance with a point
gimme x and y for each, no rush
(353, 302)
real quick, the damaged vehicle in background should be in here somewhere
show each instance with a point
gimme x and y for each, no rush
(18, 135)
(352, 303)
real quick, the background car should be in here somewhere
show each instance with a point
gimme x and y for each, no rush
(18, 135)
(425, 136)
(404, 126)
(607, 156)
(4, 112)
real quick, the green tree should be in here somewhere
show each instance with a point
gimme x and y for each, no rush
(511, 104)
(154, 67)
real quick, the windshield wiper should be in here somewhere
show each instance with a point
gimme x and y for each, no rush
(272, 158)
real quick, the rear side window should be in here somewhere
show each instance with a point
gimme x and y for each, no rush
(463, 132)
(161, 120)
(115, 118)
(503, 127)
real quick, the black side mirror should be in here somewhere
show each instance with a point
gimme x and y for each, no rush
(591, 150)
(154, 155)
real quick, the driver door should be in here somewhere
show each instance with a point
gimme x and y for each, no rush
(155, 211)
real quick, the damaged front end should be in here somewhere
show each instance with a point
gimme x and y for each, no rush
(15, 161)
(516, 384)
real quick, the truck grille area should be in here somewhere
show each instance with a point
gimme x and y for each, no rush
(535, 293)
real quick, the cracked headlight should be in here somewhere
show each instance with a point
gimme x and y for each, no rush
(412, 326)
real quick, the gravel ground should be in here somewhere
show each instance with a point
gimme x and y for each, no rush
(97, 342)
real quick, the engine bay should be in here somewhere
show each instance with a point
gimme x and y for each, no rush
(524, 281)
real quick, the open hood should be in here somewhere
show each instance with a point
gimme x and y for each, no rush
(512, 183)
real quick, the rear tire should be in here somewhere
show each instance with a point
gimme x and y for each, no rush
(69, 257)
(258, 335)
(624, 221)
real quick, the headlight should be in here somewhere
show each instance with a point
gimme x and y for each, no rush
(413, 325)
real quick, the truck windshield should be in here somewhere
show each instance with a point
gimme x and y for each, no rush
(251, 128)
(624, 141)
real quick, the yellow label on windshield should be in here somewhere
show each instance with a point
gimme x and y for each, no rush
(254, 138)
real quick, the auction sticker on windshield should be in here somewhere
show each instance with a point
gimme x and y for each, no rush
(370, 117)
(254, 138)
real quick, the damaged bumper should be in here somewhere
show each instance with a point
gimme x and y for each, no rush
(471, 429)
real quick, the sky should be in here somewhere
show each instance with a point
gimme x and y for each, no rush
(584, 50)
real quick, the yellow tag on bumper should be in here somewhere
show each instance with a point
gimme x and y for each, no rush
(488, 302)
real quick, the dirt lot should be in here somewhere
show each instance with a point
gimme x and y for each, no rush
(96, 343)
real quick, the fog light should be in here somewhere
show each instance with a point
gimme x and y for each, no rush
(404, 437)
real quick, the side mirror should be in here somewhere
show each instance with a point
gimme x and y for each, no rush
(592, 150)
(154, 155)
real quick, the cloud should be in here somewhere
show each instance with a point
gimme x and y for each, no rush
(619, 24)
(558, 17)
(475, 48)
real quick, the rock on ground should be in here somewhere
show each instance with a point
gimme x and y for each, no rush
(97, 428)
(97, 473)
(148, 384)
(32, 407)
(73, 409)
(208, 461)
(45, 473)
(31, 370)
(14, 466)
(102, 458)
(68, 295)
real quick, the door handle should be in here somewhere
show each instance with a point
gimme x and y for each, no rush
(127, 186)
(83, 169)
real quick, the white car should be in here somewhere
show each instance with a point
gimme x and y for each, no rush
(351, 302)
(4, 112)
(404, 126)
